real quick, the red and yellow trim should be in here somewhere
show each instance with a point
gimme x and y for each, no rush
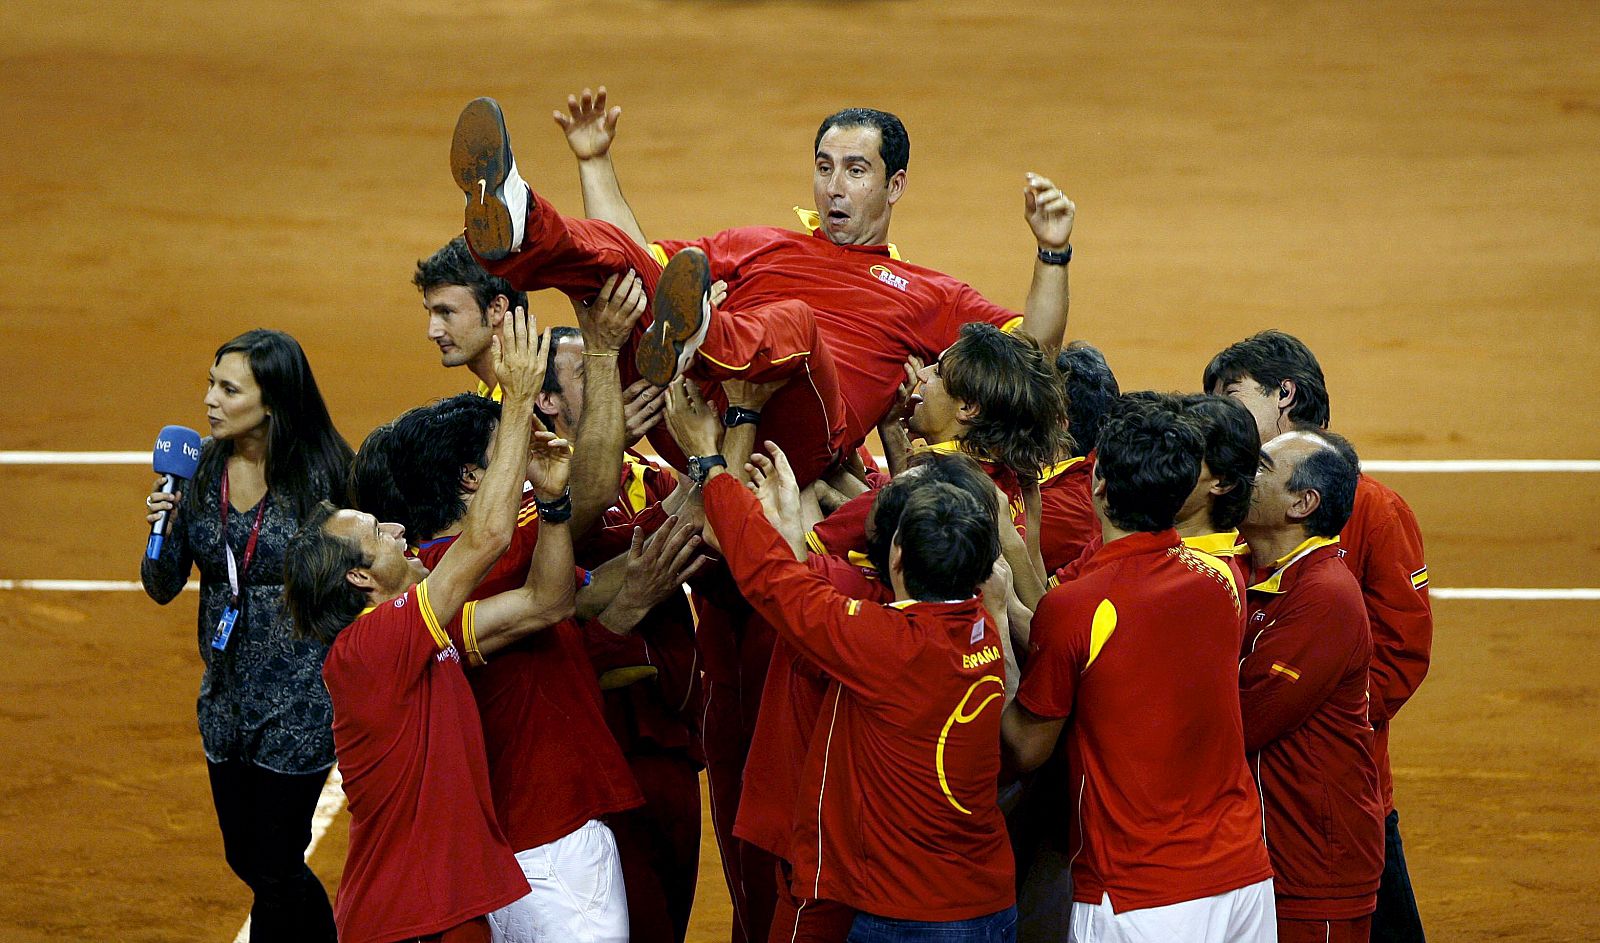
(812, 222)
(441, 638)
(1274, 583)
(469, 633)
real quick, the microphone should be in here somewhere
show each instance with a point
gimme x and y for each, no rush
(176, 457)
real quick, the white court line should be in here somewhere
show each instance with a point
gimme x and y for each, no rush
(329, 804)
(83, 586)
(1404, 466)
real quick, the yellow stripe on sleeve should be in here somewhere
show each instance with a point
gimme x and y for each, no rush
(440, 637)
(469, 633)
(1013, 325)
(853, 607)
(659, 254)
(1105, 623)
(814, 543)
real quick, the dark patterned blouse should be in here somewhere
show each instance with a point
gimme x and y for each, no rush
(262, 699)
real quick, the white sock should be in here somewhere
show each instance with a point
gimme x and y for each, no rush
(514, 192)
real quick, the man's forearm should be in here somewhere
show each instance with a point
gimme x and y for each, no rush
(597, 455)
(549, 586)
(492, 513)
(603, 200)
(1044, 317)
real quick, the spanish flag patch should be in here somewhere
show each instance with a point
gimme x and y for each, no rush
(1284, 669)
(1419, 579)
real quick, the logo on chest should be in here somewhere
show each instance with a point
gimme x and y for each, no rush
(882, 274)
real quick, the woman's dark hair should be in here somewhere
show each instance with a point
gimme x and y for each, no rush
(1021, 419)
(952, 468)
(428, 449)
(1233, 453)
(1149, 457)
(315, 591)
(948, 542)
(307, 459)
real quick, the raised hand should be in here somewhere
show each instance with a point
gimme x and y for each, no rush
(775, 486)
(520, 356)
(1049, 213)
(694, 424)
(589, 126)
(663, 563)
(643, 405)
(608, 320)
(549, 463)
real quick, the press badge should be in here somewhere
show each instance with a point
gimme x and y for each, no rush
(219, 641)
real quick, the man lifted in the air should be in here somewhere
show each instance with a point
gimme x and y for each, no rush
(836, 309)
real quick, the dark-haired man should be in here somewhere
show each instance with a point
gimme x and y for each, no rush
(1067, 520)
(901, 773)
(557, 775)
(1279, 380)
(465, 306)
(427, 858)
(835, 308)
(1170, 822)
(1303, 696)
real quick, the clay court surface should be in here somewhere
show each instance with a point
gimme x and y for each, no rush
(1409, 187)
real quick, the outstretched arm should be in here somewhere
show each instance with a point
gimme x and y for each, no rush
(1050, 215)
(519, 362)
(606, 324)
(545, 598)
(590, 128)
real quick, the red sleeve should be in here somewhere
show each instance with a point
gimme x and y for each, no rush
(1399, 611)
(1070, 572)
(727, 251)
(845, 529)
(1295, 662)
(851, 639)
(966, 306)
(1060, 639)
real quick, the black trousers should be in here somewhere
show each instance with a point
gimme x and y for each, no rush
(266, 825)
(1397, 919)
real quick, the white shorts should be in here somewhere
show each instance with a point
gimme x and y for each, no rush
(1246, 915)
(576, 892)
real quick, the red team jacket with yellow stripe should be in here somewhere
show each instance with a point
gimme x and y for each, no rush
(873, 308)
(1141, 652)
(1382, 545)
(897, 813)
(1303, 694)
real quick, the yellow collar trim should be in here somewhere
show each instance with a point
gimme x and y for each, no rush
(1225, 544)
(1274, 583)
(811, 220)
(1055, 470)
(484, 390)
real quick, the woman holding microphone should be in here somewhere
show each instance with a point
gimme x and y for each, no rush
(264, 717)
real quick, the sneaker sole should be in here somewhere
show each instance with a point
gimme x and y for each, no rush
(480, 159)
(679, 310)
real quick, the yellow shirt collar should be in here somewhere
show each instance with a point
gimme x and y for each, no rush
(811, 220)
(1059, 467)
(483, 390)
(1225, 544)
(1274, 583)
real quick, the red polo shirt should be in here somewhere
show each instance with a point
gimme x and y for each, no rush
(897, 813)
(425, 850)
(873, 308)
(1303, 695)
(790, 702)
(1141, 651)
(1067, 519)
(1382, 545)
(553, 763)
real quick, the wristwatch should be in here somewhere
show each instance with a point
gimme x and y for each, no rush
(1050, 257)
(700, 466)
(739, 415)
